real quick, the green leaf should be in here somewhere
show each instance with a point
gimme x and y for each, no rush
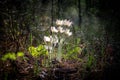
(11, 56)
(37, 51)
(20, 54)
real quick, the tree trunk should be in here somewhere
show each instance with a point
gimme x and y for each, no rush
(79, 8)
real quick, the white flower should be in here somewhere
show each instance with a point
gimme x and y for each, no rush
(49, 48)
(55, 39)
(64, 22)
(51, 38)
(53, 29)
(47, 39)
(69, 34)
(67, 31)
(59, 22)
(60, 29)
(67, 23)
(61, 40)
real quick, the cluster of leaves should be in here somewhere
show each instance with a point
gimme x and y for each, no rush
(72, 49)
(73, 53)
(38, 51)
(12, 56)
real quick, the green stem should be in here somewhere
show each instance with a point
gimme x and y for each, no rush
(59, 56)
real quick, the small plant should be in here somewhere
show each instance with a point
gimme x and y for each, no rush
(36, 52)
(91, 61)
(12, 56)
(73, 51)
(59, 35)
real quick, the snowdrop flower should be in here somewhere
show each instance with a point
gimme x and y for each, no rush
(53, 29)
(67, 23)
(46, 39)
(59, 22)
(60, 29)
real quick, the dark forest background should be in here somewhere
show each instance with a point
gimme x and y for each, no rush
(18, 18)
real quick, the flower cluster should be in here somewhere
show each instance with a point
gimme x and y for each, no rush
(59, 31)
(50, 40)
(63, 22)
